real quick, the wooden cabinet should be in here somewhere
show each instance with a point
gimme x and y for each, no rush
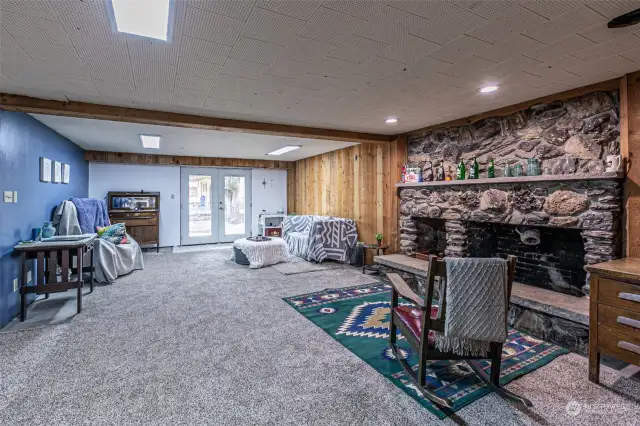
(614, 313)
(140, 212)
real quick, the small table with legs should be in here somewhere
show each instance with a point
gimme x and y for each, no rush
(48, 256)
(379, 249)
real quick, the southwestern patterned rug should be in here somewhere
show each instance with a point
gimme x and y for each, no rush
(358, 318)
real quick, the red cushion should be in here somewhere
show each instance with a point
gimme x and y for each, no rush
(412, 319)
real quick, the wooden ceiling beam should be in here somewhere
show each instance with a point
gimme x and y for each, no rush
(608, 85)
(9, 102)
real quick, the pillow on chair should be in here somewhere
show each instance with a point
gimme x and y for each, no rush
(116, 233)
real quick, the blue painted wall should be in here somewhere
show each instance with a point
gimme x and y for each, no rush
(23, 140)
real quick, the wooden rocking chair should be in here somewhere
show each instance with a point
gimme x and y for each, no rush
(415, 326)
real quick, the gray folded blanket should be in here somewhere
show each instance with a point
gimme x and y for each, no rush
(477, 305)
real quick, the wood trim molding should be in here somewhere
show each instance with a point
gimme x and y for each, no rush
(177, 160)
(19, 103)
(613, 84)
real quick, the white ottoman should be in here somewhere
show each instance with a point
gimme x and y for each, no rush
(262, 253)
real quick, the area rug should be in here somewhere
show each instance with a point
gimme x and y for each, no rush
(297, 265)
(358, 318)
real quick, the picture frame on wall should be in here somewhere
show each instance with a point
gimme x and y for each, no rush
(66, 173)
(45, 170)
(57, 172)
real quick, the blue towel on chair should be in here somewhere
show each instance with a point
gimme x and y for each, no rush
(91, 213)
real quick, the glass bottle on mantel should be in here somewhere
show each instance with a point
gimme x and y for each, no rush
(461, 171)
(491, 171)
(476, 169)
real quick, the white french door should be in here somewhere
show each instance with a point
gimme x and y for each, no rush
(215, 204)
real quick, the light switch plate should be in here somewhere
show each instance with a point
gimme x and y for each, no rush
(15, 196)
(8, 196)
(28, 276)
(15, 284)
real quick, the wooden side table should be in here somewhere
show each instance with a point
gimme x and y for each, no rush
(614, 313)
(48, 256)
(378, 251)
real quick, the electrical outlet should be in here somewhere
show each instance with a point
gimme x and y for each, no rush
(28, 276)
(8, 196)
(15, 284)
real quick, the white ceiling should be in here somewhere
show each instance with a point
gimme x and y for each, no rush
(116, 136)
(344, 64)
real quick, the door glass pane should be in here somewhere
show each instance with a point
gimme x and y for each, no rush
(199, 206)
(234, 205)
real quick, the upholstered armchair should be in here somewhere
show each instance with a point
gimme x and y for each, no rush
(318, 238)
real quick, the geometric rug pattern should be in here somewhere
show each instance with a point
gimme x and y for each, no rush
(358, 318)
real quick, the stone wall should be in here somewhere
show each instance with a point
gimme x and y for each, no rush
(593, 206)
(585, 128)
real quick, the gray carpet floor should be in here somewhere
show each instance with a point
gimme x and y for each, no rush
(195, 339)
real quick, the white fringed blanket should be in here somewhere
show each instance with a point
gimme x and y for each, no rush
(263, 253)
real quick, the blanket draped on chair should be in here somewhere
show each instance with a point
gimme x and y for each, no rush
(91, 213)
(476, 304)
(318, 238)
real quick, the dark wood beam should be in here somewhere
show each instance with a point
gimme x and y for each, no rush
(179, 160)
(9, 102)
(608, 85)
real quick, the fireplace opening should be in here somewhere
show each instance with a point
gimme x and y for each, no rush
(432, 236)
(555, 263)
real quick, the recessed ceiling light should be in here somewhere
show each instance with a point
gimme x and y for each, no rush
(150, 141)
(145, 18)
(284, 149)
(488, 89)
(391, 120)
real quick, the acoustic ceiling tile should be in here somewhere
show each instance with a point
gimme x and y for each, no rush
(336, 68)
(204, 51)
(458, 48)
(194, 83)
(579, 19)
(609, 48)
(62, 68)
(492, 33)
(273, 83)
(331, 26)
(307, 50)
(380, 67)
(314, 81)
(299, 93)
(70, 86)
(288, 68)
(198, 68)
(561, 48)
(294, 8)
(252, 50)
(600, 33)
(222, 104)
(511, 65)
(40, 49)
(408, 49)
(614, 8)
(234, 82)
(189, 97)
(363, 9)
(616, 64)
(566, 62)
(550, 9)
(231, 8)
(153, 96)
(246, 69)
(29, 27)
(154, 76)
(9, 86)
(425, 66)
(489, 9)
(468, 67)
(357, 49)
(97, 28)
(90, 48)
(229, 94)
(210, 26)
(153, 51)
(37, 9)
(13, 53)
(109, 69)
(113, 86)
(86, 7)
(633, 55)
(270, 26)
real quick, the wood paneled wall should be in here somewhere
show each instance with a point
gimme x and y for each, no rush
(630, 150)
(355, 182)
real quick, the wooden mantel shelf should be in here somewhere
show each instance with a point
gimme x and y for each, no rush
(514, 180)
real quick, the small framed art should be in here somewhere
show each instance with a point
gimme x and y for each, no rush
(45, 170)
(66, 173)
(57, 172)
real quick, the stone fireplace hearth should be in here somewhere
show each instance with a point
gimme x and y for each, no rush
(581, 212)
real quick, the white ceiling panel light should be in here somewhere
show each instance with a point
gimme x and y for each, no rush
(391, 120)
(150, 141)
(144, 18)
(488, 89)
(284, 149)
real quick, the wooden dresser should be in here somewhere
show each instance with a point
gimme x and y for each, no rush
(140, 212)
(614, 314)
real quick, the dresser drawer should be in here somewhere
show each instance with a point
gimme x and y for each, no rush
(616, 293)
(618, 318)
(140, 222)
(623, 345)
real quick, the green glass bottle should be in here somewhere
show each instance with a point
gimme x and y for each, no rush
(491, 171)
(461, 171)
(476, 169)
